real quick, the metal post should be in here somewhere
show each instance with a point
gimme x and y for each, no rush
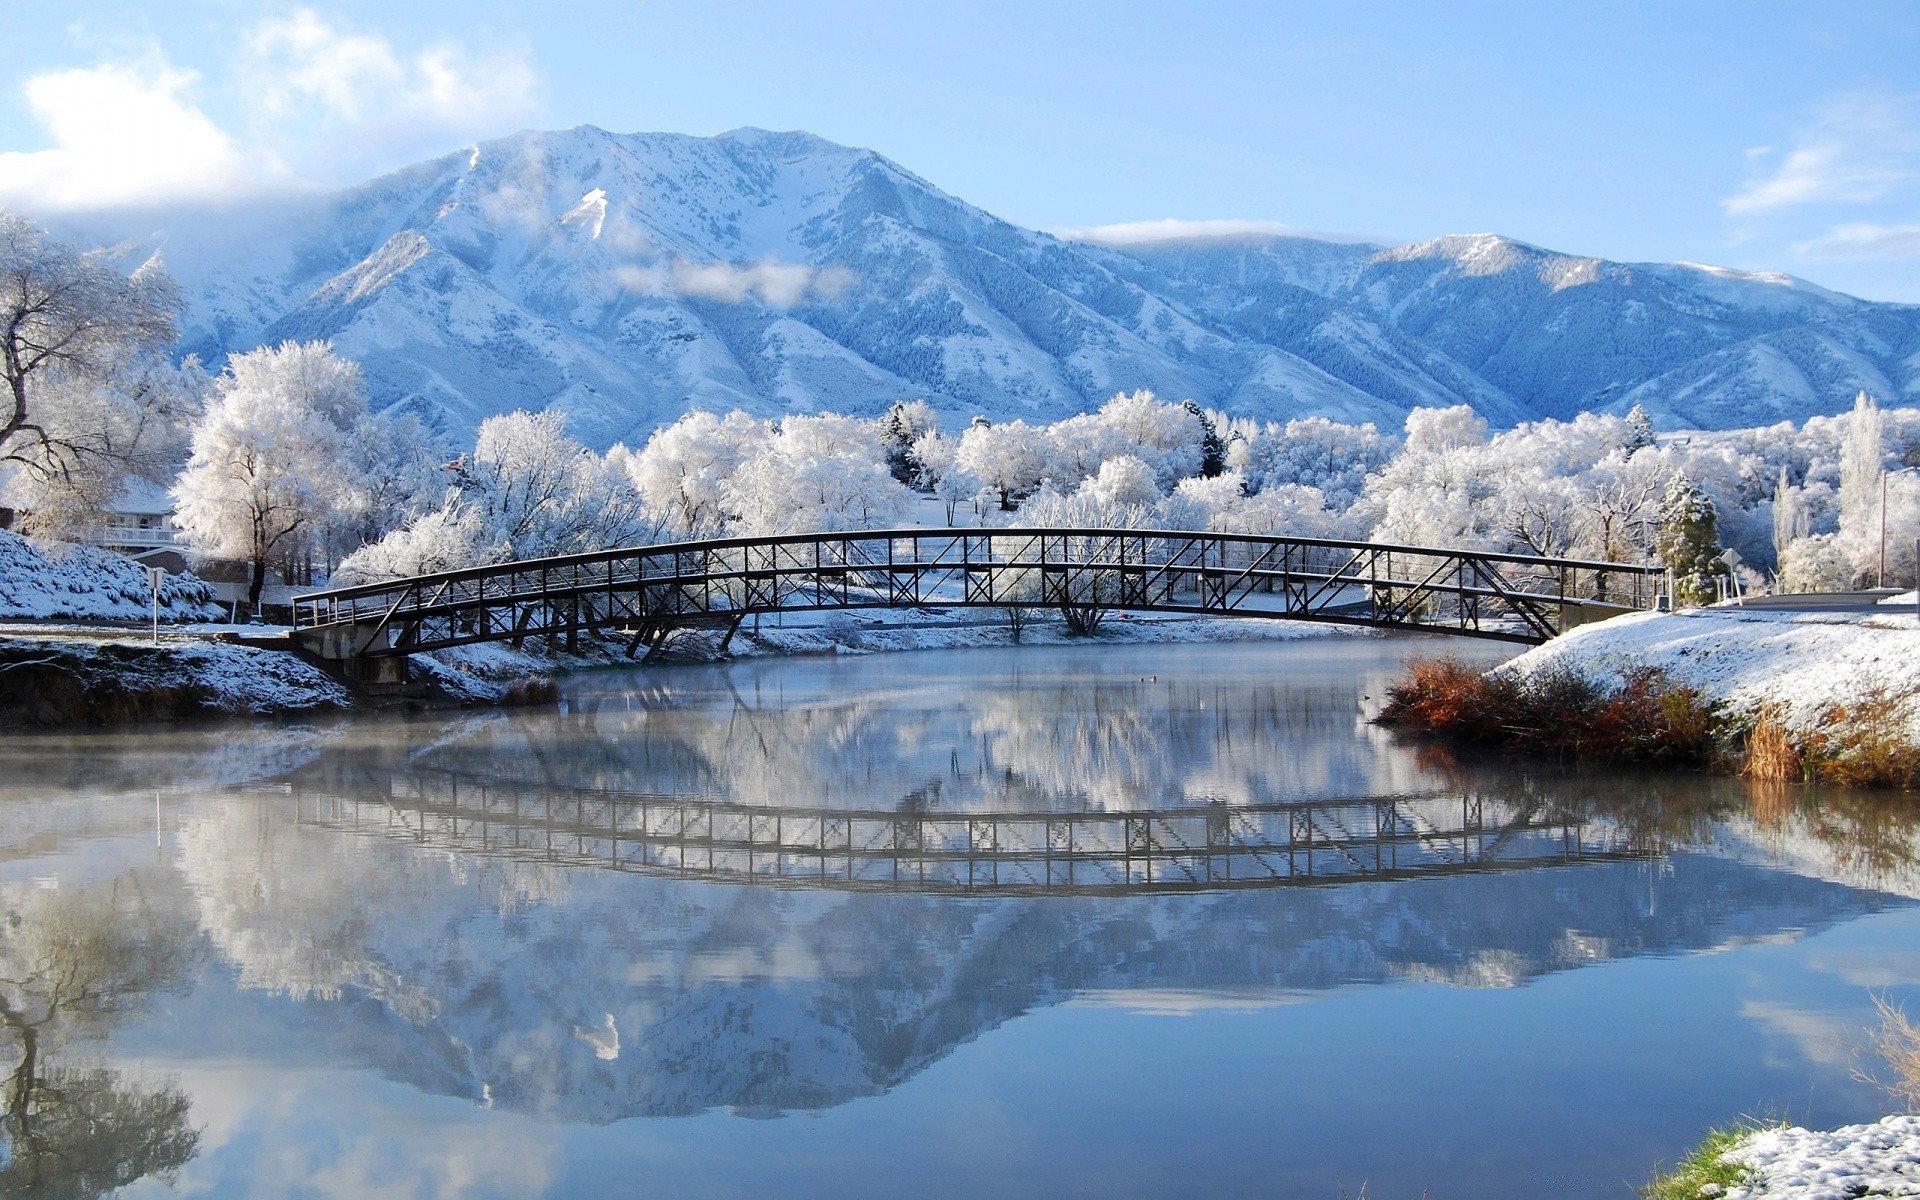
(156, 577)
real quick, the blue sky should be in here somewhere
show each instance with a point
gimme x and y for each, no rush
(1766, 136)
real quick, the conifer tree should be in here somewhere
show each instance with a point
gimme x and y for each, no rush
(1689, 541)
(1641, 425)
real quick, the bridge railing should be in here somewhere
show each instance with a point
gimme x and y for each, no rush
(1172, 570)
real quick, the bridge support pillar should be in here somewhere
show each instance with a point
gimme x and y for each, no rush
(347, 645)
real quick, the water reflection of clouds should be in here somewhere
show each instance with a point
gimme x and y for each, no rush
(1877, 971)
(1821, 1035)
(380, 1140)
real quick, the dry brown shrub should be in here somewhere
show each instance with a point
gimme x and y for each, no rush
(1868, 744)
(1648, 718)
(1771, 753)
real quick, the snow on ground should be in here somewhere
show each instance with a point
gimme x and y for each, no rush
(229, 678)
(40, 579)
(1803, 664)
(1880, 1159)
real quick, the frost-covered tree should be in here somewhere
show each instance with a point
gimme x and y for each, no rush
(1123, 482)
(1689, 541)
(941, 473)
(138, 413)
(1862, 460)
(269, 470)
(88, 398)
(527, 491)
(1642, 426)
(901, 428)
(683, 469)
(395, 472)
(819, 473)
(539, 493)
(1010, 459)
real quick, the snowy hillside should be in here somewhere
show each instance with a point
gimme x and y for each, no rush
(627, 278)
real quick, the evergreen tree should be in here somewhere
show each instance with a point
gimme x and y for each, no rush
(1642, 429)
(900, 427)
(1689, 541)
(1213, 448)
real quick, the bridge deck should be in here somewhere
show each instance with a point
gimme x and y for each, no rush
(650, 591)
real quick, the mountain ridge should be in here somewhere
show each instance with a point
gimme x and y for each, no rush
(628, 278)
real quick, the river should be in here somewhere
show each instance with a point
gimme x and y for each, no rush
(1102, 920)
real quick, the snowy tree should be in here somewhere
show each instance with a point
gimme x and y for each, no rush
(819, 473)
(1863, 459)
(395, 469)
(1815, 563)
(1642, 426)
(683, 469)
(1122, 482)
(268, 472)
(941, 472)
(138, 413)
(539, 493)
(88, 398)
(1435, 430)
(1689, 541)
(527, 491)
(901, 427)
(449, 538)
(1009, 459)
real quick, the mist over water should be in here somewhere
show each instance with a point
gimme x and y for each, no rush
(1093, 920)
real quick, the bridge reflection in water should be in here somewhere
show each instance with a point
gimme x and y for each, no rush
(1186, 848)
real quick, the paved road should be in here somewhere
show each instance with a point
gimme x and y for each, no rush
(1828, 602)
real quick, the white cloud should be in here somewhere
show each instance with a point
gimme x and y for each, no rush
(301, 67)
(1171, 229)
(1861, 148)
(321, 105)
(1865, 239)
(127, 134)
(778, 284)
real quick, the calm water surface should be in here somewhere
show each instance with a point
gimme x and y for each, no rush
(1101, 921)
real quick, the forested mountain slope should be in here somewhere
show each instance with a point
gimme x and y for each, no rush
(628, 278)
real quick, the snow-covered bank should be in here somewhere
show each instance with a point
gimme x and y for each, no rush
(43, 580)
(1879, 1159)
(68, 679)
(1801, 665)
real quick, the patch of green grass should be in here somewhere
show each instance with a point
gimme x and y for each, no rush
(1701, 1175)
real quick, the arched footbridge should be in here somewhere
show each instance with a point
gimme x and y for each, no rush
(1195, 847)
(648, 593)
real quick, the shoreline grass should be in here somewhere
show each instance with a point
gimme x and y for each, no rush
(1650, 718)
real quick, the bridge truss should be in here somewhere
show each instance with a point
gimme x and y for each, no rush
(648, 592)
(1200, 847)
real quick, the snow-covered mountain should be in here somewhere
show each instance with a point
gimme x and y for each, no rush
(628, 278)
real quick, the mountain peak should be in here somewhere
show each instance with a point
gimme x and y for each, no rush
(630, 276)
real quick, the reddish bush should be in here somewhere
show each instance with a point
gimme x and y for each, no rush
(1648, 718)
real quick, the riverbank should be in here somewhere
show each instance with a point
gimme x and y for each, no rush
(1881, 1158)
(73, 674)
(55, 679)
(1823, 696)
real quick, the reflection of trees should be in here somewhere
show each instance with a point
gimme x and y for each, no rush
(73, 962)
(1062, 732)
